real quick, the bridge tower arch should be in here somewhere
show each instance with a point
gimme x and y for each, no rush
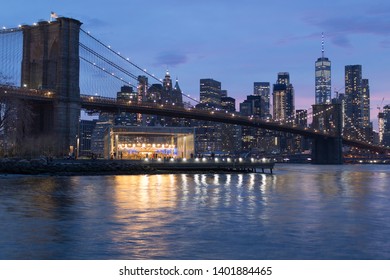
(51, 61)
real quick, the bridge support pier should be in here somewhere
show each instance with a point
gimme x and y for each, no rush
(327, 118)
(51, 62)
(327, 151)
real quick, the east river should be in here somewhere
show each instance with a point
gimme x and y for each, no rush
(299, 212)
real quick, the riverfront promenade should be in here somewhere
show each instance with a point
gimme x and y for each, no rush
(145, 166)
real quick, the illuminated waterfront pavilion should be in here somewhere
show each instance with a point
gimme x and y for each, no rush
(136, 142)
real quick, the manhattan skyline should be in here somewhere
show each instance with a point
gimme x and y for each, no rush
(236, 43)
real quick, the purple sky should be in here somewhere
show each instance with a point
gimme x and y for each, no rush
(235, 42)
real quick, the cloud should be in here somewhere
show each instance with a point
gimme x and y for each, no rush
(341, 40)
(96, 22)
(385, 44)
(340, 28)
(170, 59)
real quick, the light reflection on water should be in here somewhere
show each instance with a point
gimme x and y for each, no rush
(300, 212)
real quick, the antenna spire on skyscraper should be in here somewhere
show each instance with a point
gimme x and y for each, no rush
(322, 44)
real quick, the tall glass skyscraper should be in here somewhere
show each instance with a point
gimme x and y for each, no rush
(323, 82)
(283, 98)
(384, 126)
(353, 93)
(210, 93)
(357, 108)
(366, 102)
(263, 90)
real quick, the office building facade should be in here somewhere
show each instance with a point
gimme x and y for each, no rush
(263, 90)
(210, 93)
(283, 98)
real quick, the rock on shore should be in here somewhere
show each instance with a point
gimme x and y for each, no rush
(70, 167)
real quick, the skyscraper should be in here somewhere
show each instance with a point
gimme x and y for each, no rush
(357, 104)
(283, 98)
(353, 95)
(284, 108)
(384, 126)
(323, 84)
(210, 93)
(209, 134)
(262, 89)
(366, 103)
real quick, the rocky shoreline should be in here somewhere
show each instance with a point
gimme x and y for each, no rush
(68, 167)
(71, 167)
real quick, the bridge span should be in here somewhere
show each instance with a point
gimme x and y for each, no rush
(51, 60)
(113, 105)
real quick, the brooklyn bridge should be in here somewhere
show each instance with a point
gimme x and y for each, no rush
(50, 55)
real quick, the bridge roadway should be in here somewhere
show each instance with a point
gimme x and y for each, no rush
(26, 94)
(96, 103)
(105, 104)
(113, 105)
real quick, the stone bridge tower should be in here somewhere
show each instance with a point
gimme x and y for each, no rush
(327, 118)
(51, 61)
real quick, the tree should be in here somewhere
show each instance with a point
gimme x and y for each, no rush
(16, 117)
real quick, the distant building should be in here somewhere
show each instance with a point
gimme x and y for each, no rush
(357, 104)
(301, 143)
(126, 94)
(169, 94)
(209, 134)
(255, 141)
(353, 94)
(177, 95)
(323, 82)
(384, 126)
(283, 98)
(104, 122)
(210, 93)
(228, 104)
(284, 109)
(231, 134)
(366, 103)
(251, 106)
(263, 90)
(86, 130)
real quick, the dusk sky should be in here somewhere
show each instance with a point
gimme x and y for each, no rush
(235, 42)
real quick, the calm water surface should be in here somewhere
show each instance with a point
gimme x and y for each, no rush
(300, 212)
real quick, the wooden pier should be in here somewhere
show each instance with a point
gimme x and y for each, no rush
(210, 165)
